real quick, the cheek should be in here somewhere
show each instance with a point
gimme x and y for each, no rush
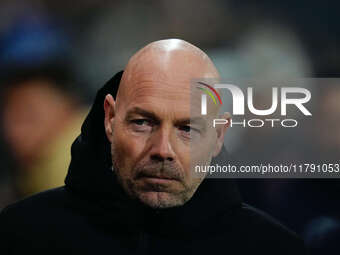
(184, 157)
(127, 148)
(195, 152)
(202, 154)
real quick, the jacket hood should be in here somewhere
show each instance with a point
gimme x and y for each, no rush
(90, 176)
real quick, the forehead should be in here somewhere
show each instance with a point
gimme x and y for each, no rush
(159, 93)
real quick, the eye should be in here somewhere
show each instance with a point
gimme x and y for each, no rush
(141, 125)
(140, 122)
(188, 132)
(185, 128)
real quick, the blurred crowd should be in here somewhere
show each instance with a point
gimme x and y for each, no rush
(54, 55)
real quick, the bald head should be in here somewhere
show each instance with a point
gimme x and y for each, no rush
(174, 57)
(173, 61)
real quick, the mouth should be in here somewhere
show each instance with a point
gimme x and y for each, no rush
(157, 181)
(157, 178)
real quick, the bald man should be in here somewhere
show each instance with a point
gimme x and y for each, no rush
(130, 187)
(149, 125)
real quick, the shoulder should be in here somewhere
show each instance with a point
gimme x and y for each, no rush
(25, 219)
(36, 222)
(48, 199)
(255, 218)
(35, 213)
(260, 229)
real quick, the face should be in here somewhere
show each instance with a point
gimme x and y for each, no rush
(27, 122)
(155, 141)
(156, 138)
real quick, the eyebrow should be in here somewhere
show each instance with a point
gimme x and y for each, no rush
(151, 115)
(194, 120)
(140, 111)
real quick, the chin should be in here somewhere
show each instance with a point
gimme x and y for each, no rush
(156, 199)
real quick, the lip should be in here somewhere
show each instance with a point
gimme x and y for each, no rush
(155, 179)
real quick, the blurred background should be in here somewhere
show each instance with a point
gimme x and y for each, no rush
(54, 55)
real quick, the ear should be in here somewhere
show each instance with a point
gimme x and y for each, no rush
(221, 130)
(109, 108)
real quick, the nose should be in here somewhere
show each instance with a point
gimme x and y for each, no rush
(162, 148)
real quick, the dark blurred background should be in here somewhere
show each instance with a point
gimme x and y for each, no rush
(54, 55)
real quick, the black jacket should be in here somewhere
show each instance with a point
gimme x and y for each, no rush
(91, 214)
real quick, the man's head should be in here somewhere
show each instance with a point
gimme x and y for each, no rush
(155, 135)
